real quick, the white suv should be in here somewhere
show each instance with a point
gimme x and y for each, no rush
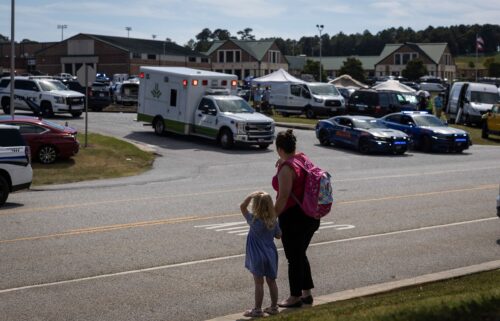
(15, 162)
(50, 95)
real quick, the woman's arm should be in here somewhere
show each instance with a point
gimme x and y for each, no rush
(285, 181)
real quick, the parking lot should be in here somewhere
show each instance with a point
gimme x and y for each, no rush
(169, 244)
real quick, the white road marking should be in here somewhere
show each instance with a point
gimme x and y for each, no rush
(222, 258)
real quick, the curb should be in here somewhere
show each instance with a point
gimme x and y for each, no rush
(296, 126)
(385, 287)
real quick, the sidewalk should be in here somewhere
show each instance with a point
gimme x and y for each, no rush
(383, 287)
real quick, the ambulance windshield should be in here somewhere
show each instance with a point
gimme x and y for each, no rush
(234, 106)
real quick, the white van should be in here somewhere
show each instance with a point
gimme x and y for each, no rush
(468, 101)
(311, 99)
(202, 103)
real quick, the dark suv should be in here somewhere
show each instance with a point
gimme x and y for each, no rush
(98, 96)
(379, 103)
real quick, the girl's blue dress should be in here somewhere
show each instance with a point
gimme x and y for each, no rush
(261, 254)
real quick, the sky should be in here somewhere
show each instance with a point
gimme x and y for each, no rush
(181, 20)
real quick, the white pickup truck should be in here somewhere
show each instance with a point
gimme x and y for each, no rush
(201, 103)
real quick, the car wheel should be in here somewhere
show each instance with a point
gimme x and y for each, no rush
(46, 109)
(159, 126)
(310, 113)
(6, 105)
(484, 131)
(363, 146)
(323, 138)
(47, 154)
(263, 146)
(4, 190)
(426, 144)
(76, 114)
(226, 139)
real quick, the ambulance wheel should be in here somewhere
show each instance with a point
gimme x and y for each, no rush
(159, 126)
(226, 139)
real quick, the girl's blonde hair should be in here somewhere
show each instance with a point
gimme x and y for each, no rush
(263, 208)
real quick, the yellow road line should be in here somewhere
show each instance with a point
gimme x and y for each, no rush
(107, 228)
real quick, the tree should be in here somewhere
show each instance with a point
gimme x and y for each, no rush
(312, 68)
(246, 34)
(354, 68)
(204, 38)
(414, 70)
(221, 34)
(191, 44)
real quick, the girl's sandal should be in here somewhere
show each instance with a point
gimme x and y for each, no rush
(272, 310)
(254, 313)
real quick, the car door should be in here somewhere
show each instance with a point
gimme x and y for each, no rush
(494, 119)
(295, 101)
(407, 125)
(34, 135)
(206, 118)
(342, 131)
(25, 90)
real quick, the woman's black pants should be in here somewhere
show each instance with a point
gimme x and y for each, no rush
(297, 231)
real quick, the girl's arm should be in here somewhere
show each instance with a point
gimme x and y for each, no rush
(246, 202)
(285, 181)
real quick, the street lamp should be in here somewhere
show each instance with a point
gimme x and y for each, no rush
(62, 27)
(320, 28)
(128, 31)
(154, 37)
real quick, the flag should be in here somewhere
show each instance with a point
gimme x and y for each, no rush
(479, 43)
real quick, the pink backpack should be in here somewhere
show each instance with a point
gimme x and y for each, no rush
(318, 194)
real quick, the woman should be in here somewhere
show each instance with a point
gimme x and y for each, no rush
(297, 228)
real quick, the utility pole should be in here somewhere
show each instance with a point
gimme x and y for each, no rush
(12, 58)
(62, 27)
(128, 31)
(320, 29)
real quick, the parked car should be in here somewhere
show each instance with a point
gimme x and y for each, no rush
(364, 133)
(491, 123)
(15, 162)
(47, 140)
(411, 84)
(469, 101)
(100, 77)
(98, 94)
(346, 93)
(65, 76)
(428, 132)
(49, 96)
(126, 93)
(378, 103)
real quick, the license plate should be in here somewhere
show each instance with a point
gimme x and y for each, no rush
(101, 95)
(399, 143)
(333, 109)
(260, 140)
(460, 140)
(361, 107)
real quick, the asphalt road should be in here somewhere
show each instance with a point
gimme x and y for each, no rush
(169, 244)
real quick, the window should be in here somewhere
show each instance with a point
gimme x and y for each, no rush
(237, 56)
(221, 56)
(384, 100)
(151, 57)
(229, 56)
(30, 129)
(397, 59)
(25, 85)
(295, 90)
(206, 104)
(406, 58)
(394, 118)
(4, 83)
(173, 98)
(204, 59)
(274, 56)
(192, 59)
(11, 137)
(136, 55)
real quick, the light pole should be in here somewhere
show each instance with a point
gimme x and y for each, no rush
(12, 58)
(62, 27)
(154, 37)
(320, 29)
(128, 31)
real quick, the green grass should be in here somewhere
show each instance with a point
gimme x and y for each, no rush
(105, 157)
(472, 298)
(463, 61)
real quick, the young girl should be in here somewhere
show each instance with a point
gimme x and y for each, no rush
(261, 255)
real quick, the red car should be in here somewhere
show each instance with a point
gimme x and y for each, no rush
(47, 140)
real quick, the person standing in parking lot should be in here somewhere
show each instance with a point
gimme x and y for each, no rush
(438, 105)
(297, 228)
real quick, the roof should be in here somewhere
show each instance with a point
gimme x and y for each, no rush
(347, 81)
(279, 76)
(433, 50)
(188, 72)
(256, 48)
(332, 62)
(136, 45)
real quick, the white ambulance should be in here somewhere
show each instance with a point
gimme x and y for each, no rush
(202, 103)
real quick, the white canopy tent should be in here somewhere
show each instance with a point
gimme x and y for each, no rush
(279, 76)
(347, 81)
(394, 85)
